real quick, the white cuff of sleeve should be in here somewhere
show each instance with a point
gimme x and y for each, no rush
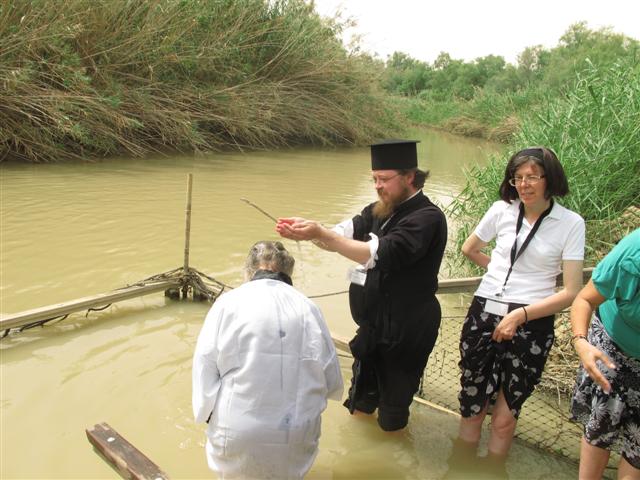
(373, 250)
(344, 229)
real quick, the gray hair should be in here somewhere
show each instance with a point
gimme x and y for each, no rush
(268, 255)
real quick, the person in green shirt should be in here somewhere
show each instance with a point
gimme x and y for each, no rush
(607, 394)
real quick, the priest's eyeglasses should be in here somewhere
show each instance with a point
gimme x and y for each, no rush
(529, 179)
(383, 180)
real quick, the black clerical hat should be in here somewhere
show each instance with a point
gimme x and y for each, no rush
(394, 155)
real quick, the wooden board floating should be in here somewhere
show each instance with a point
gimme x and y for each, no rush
(128, 461)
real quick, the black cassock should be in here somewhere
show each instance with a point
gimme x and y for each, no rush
(396, 311)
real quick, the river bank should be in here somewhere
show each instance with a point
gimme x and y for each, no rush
(87, 79)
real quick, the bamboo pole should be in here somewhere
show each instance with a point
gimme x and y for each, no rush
(187, 229)
(187, 234)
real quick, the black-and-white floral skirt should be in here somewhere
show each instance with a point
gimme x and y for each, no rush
(486, 366)
(611, 421)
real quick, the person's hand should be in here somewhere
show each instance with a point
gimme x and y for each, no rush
(506, 329)
(284, 226)
(297, 228)
(589, 355)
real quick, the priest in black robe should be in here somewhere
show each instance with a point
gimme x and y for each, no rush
(398, 243)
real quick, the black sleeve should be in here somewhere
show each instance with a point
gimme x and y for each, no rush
(410, 240)
(363, 224)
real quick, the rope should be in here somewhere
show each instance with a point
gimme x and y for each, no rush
(329, 294)
(39, 323)
(97, 309)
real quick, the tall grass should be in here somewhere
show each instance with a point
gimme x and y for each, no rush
(86, 78)
(488, 114)
(595, 130)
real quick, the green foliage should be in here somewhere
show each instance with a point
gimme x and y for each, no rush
(85, 78)
(580, 46)
(595, 130)
(487, 97)
(446, 79)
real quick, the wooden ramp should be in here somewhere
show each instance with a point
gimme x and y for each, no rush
(127, 460)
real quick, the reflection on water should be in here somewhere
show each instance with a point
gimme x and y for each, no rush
(74, 230)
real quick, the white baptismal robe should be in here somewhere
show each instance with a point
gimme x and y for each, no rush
(263, 368)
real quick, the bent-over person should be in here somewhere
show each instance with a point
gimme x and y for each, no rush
(263, 369)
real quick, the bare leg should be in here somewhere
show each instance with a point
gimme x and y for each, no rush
(593, 461)
(471, 427)
(503, 426)
(626, 471)
(462, 461)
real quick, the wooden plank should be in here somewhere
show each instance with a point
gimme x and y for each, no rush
(341, 343)
(43, 313)
(128, 461)
(586, 276)
(458, 285)
(470, 284)
(454, 285)
(435, 406)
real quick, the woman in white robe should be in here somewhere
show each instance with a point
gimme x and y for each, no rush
(263, 369)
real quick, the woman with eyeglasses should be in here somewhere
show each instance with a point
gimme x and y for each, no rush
(508, 330)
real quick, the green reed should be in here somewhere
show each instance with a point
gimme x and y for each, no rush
(89, 78)
(595, 130)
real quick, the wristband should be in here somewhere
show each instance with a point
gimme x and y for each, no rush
(526, 317)
(577, 337)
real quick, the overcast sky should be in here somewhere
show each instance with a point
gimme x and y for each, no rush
(468, 29)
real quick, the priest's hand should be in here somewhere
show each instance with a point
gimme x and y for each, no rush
(297, 228)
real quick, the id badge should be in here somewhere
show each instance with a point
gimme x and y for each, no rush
(496, 308)
(357, 275)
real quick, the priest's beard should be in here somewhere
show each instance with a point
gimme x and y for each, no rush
(385, 208)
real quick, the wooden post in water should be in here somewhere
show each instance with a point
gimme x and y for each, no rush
(187, 234)
(174, 293)
(187, 229)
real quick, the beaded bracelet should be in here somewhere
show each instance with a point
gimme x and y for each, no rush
(577, 337)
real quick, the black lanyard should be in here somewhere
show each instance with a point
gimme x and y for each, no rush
(515, 253)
